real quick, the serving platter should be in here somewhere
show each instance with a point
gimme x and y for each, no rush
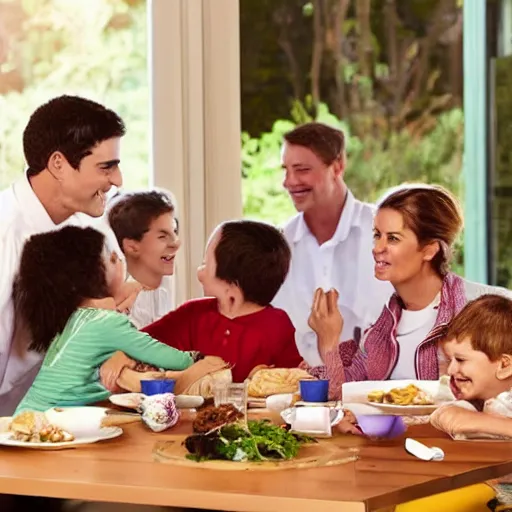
(325, 452)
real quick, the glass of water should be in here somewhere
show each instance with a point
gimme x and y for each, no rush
(231, 393)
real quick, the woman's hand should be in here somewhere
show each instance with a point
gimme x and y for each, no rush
(111, 370)
(326, 320)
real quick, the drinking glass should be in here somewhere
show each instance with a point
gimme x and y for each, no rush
(231, 393)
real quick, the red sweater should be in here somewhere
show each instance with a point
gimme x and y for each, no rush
(266, 337)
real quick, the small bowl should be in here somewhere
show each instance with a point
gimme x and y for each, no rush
(279, 402)
(381, 426)
(314, 390)
(157, 387)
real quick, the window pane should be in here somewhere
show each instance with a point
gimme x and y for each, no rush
(93, 48)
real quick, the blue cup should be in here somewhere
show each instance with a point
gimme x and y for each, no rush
(314, 390)
(157, 387)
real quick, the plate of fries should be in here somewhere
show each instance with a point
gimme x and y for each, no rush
(406, 398)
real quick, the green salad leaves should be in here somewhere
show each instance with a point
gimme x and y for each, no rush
(258, 441)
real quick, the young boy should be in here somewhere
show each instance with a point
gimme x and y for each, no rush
(478, 346)
(147, 233)
(244, 265)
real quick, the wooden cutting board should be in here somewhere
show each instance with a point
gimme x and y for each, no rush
(324, 453)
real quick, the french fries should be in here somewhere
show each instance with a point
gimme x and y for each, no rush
(409, 395)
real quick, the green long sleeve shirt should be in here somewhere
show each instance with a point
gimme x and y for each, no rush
(69, 374)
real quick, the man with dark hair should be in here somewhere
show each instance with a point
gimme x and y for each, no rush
(330, 238)
(146, 231)
(71, 146)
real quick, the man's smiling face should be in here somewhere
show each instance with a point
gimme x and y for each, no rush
(308, 180)
(84, 189)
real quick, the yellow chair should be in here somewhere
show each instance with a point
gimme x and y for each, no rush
(468, 499)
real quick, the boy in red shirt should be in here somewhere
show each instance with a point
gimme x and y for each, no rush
(244, 266)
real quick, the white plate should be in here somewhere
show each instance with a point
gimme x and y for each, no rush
(101, 435)
(301, 403)
(357, 392)
(404, 410)
(189, 401)
(128, 400)
(133, 400)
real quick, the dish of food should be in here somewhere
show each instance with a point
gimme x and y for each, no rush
(212, 417)
(221, 434)
(31, 429)
(274, 381)
(103, 434)
(408, 395)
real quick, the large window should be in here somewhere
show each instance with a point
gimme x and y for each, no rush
(93, 48)
(388, 72)
(500, 134)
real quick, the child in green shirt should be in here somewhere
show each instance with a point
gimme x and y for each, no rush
(63, 298)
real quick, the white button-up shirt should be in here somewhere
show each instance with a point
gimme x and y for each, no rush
(344, 262)
(151, 305)
(21, 216)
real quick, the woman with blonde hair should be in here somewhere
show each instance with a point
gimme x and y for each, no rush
(415, 228)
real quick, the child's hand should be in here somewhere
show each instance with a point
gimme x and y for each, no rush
(326, 320)
(348, 425)
(455, 420)
(126, 296)
(129, 380)
(111, 370)
(345, 427)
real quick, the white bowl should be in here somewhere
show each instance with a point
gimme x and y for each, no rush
(279, 402)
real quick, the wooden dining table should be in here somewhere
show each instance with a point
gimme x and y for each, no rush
(124, 470)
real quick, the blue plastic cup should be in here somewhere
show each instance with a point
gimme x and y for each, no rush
(314, 390)
(157, 387)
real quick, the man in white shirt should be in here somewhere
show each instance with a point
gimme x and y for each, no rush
(331, 238)
(71, 146)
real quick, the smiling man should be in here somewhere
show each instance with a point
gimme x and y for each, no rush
(71, 146)
(330, 238)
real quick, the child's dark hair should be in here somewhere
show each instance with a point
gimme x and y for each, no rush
(132, 215)
(71, 125)
(58, 270)
(255, 256)
(487, 323)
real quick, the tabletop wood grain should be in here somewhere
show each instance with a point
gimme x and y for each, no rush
(123, 470)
